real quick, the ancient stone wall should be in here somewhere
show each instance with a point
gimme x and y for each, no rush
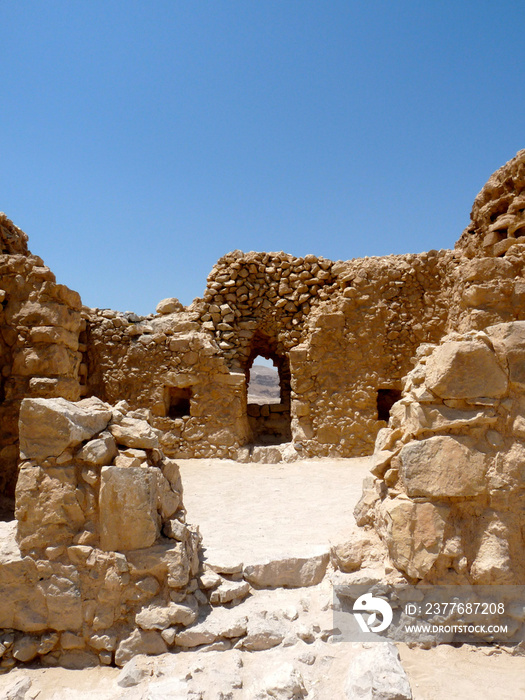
(447, 494)
(39, 340)
(173, 367)
(339, 334)
(497, 217)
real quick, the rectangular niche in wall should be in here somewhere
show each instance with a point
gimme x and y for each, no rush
(178, 401)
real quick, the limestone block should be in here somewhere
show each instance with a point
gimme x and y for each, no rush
(349, 555)
(48, 426)
(47, 509)
(163, 560)
(169, 306)
(443, 467)
(25, 649)
(133, 432)
(46, 360)
(492, 565)
(159, 617)
(376, 673)
(440, 418)
(128, 508)
(64, 603)
(168, 501)
(413, 533)
(54, 387)
(53, 334)
(262, 634)
(22, 607)
(34, 313)
(509, 344)
(139, 642)
(176, 530)
(135, 670)
(229, 591)
(100, 451)
(263, 454)
(288, 572)
(285, 681)
(220, 622)
(465, 370)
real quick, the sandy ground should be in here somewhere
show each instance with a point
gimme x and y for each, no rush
(463, 673)
(249, 512)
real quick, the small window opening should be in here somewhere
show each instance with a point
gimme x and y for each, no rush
(386, 398)
(264, 386)
(179, 402)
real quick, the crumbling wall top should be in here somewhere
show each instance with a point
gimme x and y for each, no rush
(13, 240)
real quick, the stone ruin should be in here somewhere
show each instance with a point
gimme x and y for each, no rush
(415, 358)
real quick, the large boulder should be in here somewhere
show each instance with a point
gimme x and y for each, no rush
(49, 426)
(443, 467)
(465, 370)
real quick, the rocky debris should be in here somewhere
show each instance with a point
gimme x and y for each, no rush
(134, 672)
(376, 673)
(284, 683)
(18, 690)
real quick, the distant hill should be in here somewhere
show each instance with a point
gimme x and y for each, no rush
(264, 385)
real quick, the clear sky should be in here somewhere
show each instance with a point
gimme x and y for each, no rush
(142, 140)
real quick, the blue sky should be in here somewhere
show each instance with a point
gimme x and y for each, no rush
(141, 141)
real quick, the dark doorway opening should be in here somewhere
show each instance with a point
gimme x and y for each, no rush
(179, 402)
(386, 398)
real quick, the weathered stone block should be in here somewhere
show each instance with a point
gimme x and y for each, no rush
(99, 452)
(288, 572)
(465, 370)
(133, 432)
(49, 426)
(509, 343)
(162, 560)
(413, 533)
(47, 509)
(443, 467)
(128, 508)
